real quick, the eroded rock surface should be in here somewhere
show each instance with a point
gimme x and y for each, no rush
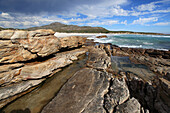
(92, 89)
(118, 94)
(96, 88)
(79, 92)
(19, 73)
(27, 45)
(131, 106)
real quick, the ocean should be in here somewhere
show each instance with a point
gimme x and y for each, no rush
(137, 41)
(159, 42)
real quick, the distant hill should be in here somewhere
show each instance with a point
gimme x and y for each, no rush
(1, 28)
(59, 27)
(6, 29)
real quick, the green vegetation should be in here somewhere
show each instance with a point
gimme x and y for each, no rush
(1, 28)
(131, 32)
(6, 29)
(59, 27)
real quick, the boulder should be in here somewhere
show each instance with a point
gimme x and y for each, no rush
(131, 106)
(118, 94)
(102, 36)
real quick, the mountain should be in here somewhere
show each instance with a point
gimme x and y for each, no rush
(59, 27)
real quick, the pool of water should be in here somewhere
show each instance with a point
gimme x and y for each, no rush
(34, 101)
(124, 64)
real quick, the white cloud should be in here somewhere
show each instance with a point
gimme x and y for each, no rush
(25, 21)
(96, 14)
(107, 8)
(145, 7)
(143, 21)
(5, 16)
(151, 6)
(162, 23)
(124, 22)
(104, 22)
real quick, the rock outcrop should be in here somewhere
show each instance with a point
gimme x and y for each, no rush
(93, 89)
(162, 104)
(27, 45)
(28, 57)
(102, 36)
(157, 60)
(131, 106)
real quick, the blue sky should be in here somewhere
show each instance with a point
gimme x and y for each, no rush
(127, 15)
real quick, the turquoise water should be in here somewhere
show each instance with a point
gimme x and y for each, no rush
(137, 41)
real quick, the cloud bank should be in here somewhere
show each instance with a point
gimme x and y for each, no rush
(30, 13)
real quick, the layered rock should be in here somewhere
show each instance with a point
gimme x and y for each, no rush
(27, 45)
(37, 55)
(162, 104)
(93, 89)
(28, 57)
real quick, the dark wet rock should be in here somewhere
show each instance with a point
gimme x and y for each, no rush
(143, 91)
(153, 97)
(102, 36)
(131, 106)
(162, 104)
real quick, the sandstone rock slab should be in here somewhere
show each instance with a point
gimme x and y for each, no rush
(79, 92)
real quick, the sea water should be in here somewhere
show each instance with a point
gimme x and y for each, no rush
(136, 41)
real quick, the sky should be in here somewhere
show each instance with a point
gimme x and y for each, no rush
(115, 15)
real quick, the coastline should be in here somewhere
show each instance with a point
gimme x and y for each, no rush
(100, 84)
(142, 42)
(63, 34)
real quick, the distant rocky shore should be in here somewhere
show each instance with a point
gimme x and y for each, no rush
(28, 58)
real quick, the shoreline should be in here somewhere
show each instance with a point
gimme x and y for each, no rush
(94, 83)
(93, 36)
(63, 34)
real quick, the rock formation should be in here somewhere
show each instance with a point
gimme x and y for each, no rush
(27, 58)
(102, 36)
